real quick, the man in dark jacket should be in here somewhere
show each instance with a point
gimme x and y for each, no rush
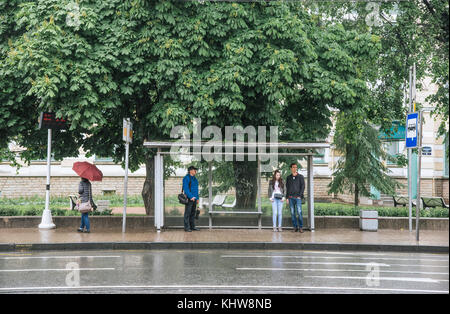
(190, 188)
(295, 187)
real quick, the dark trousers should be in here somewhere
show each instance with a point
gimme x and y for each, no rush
(189, 215)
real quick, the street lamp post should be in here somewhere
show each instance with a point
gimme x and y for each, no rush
(47, 221)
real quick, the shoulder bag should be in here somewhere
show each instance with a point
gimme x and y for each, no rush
(182, 198)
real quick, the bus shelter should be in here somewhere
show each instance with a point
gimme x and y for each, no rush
(163, 149)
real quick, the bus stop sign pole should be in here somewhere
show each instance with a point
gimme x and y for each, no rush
(49, 121)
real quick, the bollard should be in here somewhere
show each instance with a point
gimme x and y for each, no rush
(368, 220)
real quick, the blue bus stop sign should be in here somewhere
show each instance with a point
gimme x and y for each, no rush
(411, 129)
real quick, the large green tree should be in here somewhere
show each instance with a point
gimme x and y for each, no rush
(163, 63)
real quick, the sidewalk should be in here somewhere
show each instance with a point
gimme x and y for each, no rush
(328, 239)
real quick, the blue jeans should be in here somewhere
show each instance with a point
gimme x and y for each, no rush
(277, 208)
(296, 203)
(85, 221)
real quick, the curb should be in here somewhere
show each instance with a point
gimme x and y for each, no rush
(321, 222)
(17, 247)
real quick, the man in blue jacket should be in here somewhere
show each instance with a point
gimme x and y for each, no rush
(190, 188)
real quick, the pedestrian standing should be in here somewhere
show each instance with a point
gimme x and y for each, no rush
(276, 193)
(87, 204)
(295, 187)
(190, 188)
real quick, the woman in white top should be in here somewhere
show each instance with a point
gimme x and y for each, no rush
(277, 194)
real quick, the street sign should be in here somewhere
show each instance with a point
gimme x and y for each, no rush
(127, 128)
(426, 151)
(411, 130)
(48, 120)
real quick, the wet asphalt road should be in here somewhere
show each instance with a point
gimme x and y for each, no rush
(212, 271)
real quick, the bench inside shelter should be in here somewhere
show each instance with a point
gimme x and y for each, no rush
(238, 212)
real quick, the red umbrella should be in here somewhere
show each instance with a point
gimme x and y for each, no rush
(87, 170)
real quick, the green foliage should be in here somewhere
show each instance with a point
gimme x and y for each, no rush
(410, 32)
(36, 210)
(322, 209)
(362, 162)
(34, 206)
(164, 62)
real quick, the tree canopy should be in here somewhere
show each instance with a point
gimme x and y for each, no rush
(164, 63)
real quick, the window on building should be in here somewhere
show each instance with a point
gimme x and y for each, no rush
(446, 161)
(100, 159)
(393, 149)
(319, 157)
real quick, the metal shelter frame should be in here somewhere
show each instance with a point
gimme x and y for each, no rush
(197, 149)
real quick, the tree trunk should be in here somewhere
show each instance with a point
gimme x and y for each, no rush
(356, 195)
(148, 191)
(245, 177)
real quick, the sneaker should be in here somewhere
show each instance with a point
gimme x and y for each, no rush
(279, 229)
(188, 230)
(80, 230)
(195, 229)
(274, 229)
(87, 231)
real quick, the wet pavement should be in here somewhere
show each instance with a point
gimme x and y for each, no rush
(223, 271)
(64, 235)
(222, 261)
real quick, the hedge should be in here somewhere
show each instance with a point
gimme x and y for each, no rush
(34, 206)
(36, 210)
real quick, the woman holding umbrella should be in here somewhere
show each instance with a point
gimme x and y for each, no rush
(85, 191)
(87, 172)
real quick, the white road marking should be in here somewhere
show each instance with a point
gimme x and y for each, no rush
(52, 269)
(332, 257)
(340, 270)
(409, 279)
(365, 264)
(330, 263)
(196, 287)
(62, 257)
(444, 256)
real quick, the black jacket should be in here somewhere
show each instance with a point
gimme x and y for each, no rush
(295, 186)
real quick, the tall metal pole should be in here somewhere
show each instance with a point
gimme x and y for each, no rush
(47, 221)
(409, 159)
(311, 193)
(259, 190)
(419, 152)
(418, 201)
(127, 127)
(157, 194)
(127, 147)
(210, 199)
